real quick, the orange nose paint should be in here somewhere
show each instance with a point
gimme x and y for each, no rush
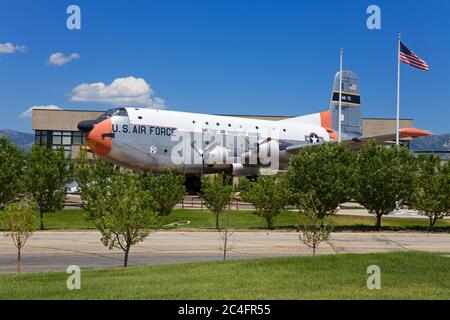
(99, 138)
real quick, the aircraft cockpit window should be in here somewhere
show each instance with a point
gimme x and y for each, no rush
(119, 112)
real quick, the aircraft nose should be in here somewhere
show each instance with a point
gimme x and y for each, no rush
(86, 126)
(99, 138)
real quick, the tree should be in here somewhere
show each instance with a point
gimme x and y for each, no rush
(227, 241)
(19, 224)
(327, 171)
(95, 171)
(385, 176)
(217, 193)
(314, 230)
(94, 178)
(168, 190)
(124, 212)
(268, 194)
(47, 173)
(431, 192)
(11, 172)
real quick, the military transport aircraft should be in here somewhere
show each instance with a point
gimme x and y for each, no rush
(154, 140)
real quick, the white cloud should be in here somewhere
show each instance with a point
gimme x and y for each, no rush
(158, 103)
(128, 91)
(59, 59)
(28, 113)
(10, 48)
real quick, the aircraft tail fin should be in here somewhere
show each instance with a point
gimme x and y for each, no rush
(351, 125)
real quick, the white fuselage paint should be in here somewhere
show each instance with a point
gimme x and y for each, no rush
(150, 139)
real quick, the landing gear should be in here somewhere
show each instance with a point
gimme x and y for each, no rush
(193, 184)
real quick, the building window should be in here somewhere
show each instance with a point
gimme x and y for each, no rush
(40, 138)
(57, 138)
(62, 138)
(67, 138)
(77, 138)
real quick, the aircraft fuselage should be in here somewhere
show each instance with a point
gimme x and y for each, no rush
(155, 140)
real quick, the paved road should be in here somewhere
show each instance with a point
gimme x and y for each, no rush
(55, 250)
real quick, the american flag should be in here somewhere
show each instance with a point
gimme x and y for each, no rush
(353, 86)
(409, 57)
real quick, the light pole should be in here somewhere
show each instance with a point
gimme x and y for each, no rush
(340, 97)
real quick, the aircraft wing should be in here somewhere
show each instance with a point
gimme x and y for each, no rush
(358, 142)
(297, 147)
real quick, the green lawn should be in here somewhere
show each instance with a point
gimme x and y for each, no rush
(289, 220)
(62, 220)
(67, 219)
(403, 276)
(76, 219)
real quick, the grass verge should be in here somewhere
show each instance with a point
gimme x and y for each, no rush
(403, 276)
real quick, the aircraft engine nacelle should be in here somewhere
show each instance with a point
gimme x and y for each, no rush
(266, 152)
(217, 156)
(263, 153)
(240, 170)
(268, 149)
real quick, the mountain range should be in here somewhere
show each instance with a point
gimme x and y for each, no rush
(24, 141)
(439, 144)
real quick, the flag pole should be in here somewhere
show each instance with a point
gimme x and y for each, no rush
(340, 96)
(398, 92)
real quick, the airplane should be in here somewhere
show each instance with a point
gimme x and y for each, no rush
(154, 140)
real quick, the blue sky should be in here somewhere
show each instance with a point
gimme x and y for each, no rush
(234, 56)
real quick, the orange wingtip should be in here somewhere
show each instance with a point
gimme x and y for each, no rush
(413, 132)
